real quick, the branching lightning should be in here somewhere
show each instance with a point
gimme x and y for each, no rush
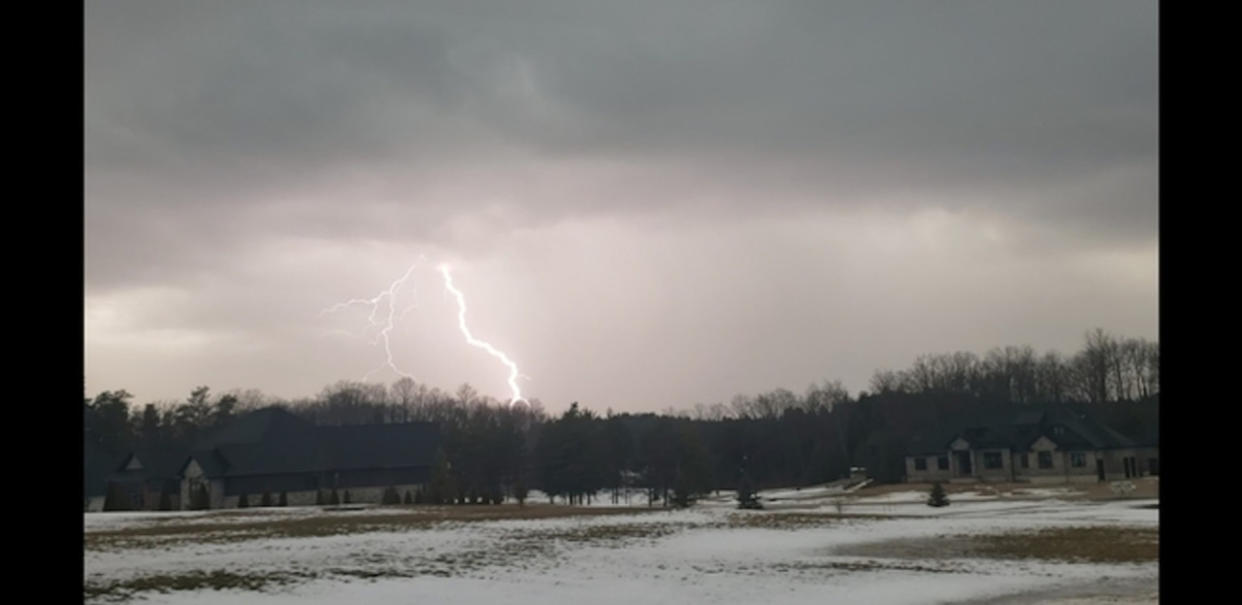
(389, 297)
(374, 303)
(461, 323)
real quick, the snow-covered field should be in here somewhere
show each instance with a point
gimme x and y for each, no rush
(708, 554)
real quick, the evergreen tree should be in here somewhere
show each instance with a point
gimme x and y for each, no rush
(165, 500)
(284, 500)
(116, 498)
(408, 499)
(334, 498)
(391, 496)
(937, 497)
(746, 497)
(319, 499)
(199, 498)
(242, 502)
(346, 499)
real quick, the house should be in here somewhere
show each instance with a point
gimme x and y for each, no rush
(272, 451)
(145, 479)
(97, 464)
(1037, 444)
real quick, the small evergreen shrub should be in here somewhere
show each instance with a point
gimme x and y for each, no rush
(266, 500)
(283, 501)
(390, 496)
(242, 502)
(937, 496)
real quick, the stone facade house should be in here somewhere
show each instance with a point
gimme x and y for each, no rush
(271, 451)
(1054, 444)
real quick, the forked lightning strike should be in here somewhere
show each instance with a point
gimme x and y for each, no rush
(374, 303)
(461, 323)
(387, 326)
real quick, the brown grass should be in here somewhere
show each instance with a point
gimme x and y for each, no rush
(327, 524)
(1145, 488)
(1069, 544)
(797, 520)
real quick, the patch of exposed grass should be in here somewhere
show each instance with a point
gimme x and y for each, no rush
(1089, 544)
(327, 524)
(1070, 544)
(796, 520)
(123, 590)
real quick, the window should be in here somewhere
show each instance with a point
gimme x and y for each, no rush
(1025, 460)
(942, 463)
(992, 460)
(1045, 460)
(1078, 459)
(920, 464)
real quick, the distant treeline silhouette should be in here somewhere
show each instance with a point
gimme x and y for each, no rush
(777, 438)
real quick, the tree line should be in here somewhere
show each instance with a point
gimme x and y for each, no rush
(492, 451)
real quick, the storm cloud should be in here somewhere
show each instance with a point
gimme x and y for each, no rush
(646, 203)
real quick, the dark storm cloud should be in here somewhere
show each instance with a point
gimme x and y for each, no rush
(230, 142)
(227, 94)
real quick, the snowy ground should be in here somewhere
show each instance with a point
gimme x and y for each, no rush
(807, 552)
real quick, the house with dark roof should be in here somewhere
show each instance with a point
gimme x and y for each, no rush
(1036, 444)
(97, 465)
(272, 451)
(146, 479)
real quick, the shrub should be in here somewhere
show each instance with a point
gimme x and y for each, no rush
(937, 496)
(199, 499)
(746, 497)
(334, 498)
(391, 496)
(283, 501)
(346, 499)
(408, 498)
(242, 502)
(266, 500)
(319, 499)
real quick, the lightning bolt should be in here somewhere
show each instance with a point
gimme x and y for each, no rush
(375, 303)
(461, 323)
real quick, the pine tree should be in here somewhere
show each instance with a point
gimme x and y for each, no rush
(242, 502)
(391, 496)
(199, 499)
(408, 499)
(346, 499)
(334, 498)
(746, 497)
(283, 501)
(319, 499)
(937, 497)
(266, 500)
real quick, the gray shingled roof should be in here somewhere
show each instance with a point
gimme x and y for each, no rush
(1017, 428)
(268, 442)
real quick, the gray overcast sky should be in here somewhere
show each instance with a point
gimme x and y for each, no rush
(646, 203)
